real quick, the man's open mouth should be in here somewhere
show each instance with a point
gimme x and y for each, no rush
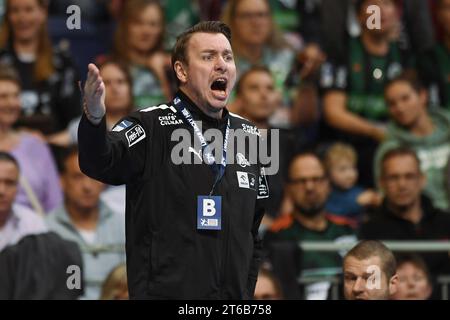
(219, 84)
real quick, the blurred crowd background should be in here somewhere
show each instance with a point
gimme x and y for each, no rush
(363, 114)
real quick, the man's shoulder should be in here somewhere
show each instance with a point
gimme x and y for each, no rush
(341, 223)
(163, 114)
(239, 122)
(161, 108)
(282, 223)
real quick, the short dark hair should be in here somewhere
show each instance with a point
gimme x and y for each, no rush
(65, 154)
(410, 77)
(7, 157)
(372, 248)
(179, 52)
(399, 152)
(304, 154)
(254, 68)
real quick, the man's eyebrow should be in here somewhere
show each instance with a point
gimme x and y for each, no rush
(226, 51)
(348, 273)
(209, 51)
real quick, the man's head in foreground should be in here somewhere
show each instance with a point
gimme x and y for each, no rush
(369, 272)
(204, 65)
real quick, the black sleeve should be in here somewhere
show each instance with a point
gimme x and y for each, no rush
(115, 157)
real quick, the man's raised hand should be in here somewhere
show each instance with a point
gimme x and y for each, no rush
(94, 95)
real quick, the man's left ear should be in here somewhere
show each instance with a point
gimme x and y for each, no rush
(180, 71)
(393, 282)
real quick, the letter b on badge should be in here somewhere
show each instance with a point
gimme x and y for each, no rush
(209, 210)
(209, 207)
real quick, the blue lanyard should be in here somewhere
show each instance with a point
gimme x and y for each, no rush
(218, 169)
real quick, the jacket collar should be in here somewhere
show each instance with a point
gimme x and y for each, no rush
(197, 113)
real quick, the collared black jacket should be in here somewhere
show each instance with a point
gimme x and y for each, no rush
(167, 257)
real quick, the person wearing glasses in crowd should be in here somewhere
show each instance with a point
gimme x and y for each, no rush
(309, 188)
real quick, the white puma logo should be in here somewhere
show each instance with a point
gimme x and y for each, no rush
(198, 154)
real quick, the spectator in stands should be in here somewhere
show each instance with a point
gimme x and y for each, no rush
(15, 221)
(427, 132)
(139, 43)
(115, 286)
(308, 187)
(406, 214)
(346, 198)
(89, 222)
(119, 101)
(39, 186)
(256, 101)
(256, 40)
(434, 65)
(369, 272)
(414, 30)
(267, 286)
(49, 79)
(414, 280)
(353, 100)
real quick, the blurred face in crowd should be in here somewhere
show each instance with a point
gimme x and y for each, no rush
(388, 16)
(257, 96)
(252, 22)
(209, 74)
(265, 289)
(343, 173)
(406, 106)
(117, 88)
(444, 16)
(413, 283)
(360, 281)
(9, 178)
(308, 186)
(9, 103)
(402, 181)
(144, 32)
(81, 192)
(26, 18)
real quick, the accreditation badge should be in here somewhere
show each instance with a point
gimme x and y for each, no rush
(209, 213)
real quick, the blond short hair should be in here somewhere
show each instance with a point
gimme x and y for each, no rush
(340, 151)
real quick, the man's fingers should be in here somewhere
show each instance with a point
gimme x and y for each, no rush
(93, 81)
(93, 74)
